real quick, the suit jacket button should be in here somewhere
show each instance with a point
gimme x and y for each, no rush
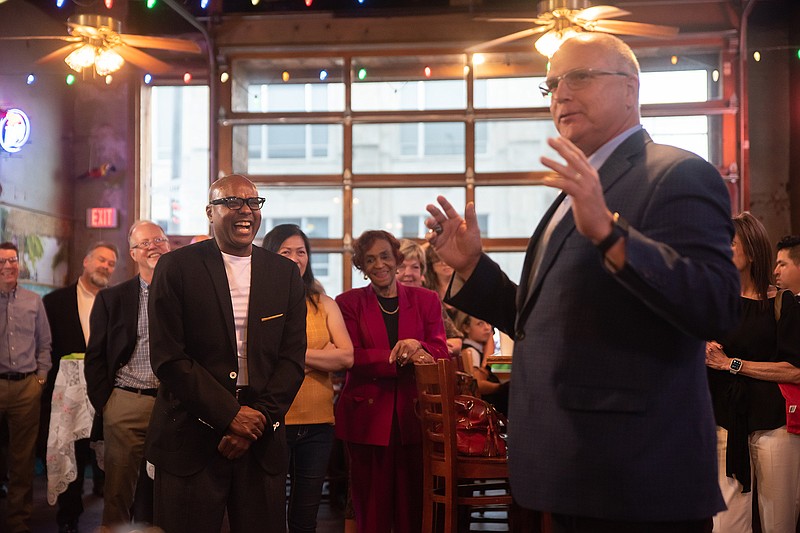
(520, 335)
(232, 375)
(370, 401)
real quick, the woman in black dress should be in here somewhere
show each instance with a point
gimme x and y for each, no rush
(745, 368)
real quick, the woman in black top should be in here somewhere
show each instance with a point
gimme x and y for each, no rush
(745, 368)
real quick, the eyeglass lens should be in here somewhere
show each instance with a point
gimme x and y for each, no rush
(10, 261)
(234, 202)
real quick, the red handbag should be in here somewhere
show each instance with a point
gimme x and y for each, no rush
(480, 429)
(790, 391)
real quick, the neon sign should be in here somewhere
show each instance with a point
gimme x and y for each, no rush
(15, 128)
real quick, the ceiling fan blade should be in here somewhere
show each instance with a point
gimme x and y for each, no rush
(41, 38)
(142, 60)
(600, 12)
(528, 20)
(82, 29)
(512, 37)
(59, 53)
(161, 43)
(631, 28)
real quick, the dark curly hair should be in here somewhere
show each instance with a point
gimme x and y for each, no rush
(365, 242)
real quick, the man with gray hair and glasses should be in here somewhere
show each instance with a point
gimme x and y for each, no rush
(629, 272)
(119, 379)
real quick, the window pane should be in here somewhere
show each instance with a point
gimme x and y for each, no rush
(673, 86)
(327, 268)
(402, 83)
(318, 211)
(179, 159)
(279, 149)
(510, 262)
(505, 80)
(512, 145)
(689, 133)
(512, 211)
(395, 209)
(509, 92)
(312, 84)
(408, 148)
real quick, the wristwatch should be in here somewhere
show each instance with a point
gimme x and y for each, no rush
(736, 365)
(619, 229)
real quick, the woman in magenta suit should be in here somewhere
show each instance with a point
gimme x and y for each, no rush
(391, 326)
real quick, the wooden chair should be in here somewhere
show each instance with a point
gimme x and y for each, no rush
(452, 480)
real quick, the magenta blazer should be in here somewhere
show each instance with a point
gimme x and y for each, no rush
(367, 402)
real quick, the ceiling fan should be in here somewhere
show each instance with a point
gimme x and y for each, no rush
(96, 41)
(558, 20)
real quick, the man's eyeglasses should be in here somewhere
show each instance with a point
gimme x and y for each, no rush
(576, 79)
(11, 261)
(235, 203)
(144, 245)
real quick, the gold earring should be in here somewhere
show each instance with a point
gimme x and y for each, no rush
(366, 277)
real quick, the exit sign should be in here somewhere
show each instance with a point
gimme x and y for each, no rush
(101, 217)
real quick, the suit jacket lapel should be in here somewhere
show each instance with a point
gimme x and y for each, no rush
(259, 286)
(522, 290)
(216, 268)
(612, 170)
(374, 318)
(130, 311)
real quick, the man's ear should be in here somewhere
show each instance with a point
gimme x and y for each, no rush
(208, 213)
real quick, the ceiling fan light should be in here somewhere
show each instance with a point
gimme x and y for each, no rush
(550, 42)
(107, 61)
(81, 58)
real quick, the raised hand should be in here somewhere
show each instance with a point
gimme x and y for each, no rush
(456, 239)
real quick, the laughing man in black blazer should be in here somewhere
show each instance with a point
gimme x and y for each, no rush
(228, 342)
(610, 423)
(119, 379)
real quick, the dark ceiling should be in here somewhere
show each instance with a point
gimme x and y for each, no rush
(689, 15)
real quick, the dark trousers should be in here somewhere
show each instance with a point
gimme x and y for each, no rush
(309, 452)
(255, 500)
(582, 524)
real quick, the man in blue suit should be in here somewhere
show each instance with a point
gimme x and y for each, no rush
(611, 426)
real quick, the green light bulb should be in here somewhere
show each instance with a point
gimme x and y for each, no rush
(150, 4)
(362, 73)
(70, 79)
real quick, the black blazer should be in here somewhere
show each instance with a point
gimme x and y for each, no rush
(61, 307)
(113, 324)
(193, 353)
(610, 414)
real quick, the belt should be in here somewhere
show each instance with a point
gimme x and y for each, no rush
(145, 392)
(16, 376)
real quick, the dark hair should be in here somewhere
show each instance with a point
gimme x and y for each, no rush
(273, 241)
(792, 244)
(755, 244)
(9, 246)
(365, 242)
(102, 244)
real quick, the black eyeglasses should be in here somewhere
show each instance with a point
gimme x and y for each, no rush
(235, 203)
(576, 79)
(144, 245)
(11, 261)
